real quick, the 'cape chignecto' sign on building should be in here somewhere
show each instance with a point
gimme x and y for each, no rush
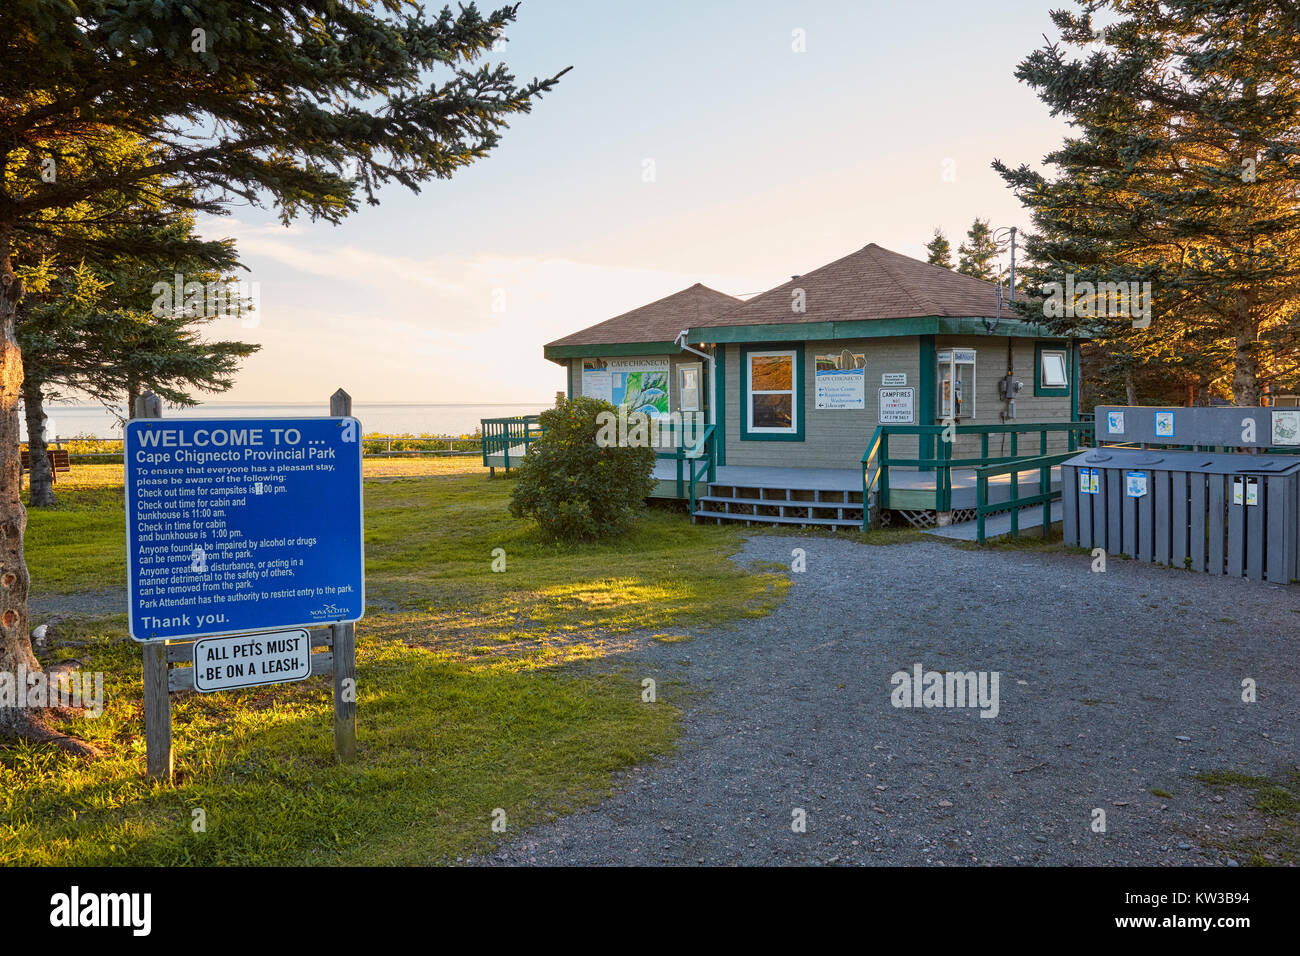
(840, 387)
(241, 525)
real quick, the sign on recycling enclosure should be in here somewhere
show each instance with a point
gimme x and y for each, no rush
(241, 525)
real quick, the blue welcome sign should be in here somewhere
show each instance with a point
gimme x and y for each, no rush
(242, 524)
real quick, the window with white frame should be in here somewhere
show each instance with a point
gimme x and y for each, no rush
(957, 383)
(772, 408)
(1051, 371)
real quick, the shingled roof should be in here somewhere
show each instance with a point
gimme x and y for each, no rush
(872, 283)
(660, 321)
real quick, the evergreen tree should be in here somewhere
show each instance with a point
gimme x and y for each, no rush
(1184, 173)
(94, 334)
(940, 250)
(308, 104)
(79, 326)
(978, 255)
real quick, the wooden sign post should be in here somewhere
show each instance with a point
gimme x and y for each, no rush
(345, 646)
(335, 654)
(157, 699)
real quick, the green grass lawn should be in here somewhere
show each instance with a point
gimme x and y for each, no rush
(81, 544)
(472, 692)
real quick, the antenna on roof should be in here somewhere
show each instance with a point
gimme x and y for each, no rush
(1011, 295)
(1012, 231)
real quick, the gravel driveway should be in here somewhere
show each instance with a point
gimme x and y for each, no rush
(1111, 685)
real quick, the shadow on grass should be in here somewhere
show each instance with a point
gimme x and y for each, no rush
(469, 699)
(443, 743)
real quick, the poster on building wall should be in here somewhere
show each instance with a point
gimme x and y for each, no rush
(841, 388)
(639, 384)
(897, 406)
(840, 380)
(596, 380)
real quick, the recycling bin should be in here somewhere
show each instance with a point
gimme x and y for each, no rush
(1234, 514)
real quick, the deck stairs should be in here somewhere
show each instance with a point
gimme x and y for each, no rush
(761, 504)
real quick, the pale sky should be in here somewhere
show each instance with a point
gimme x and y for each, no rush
(767, 162)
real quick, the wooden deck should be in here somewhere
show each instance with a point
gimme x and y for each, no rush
(833, 496)
(909, 490)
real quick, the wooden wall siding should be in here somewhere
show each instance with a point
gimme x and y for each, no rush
(990, 367)
(836, 438)
(833, 438)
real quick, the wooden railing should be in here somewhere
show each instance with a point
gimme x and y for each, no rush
(696, 461)
(876, 460)
(1045, 496)
(502, 434)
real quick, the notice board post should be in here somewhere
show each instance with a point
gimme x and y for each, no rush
(345, 651)
(157, 698)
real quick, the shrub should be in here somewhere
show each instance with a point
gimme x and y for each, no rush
(574, 488)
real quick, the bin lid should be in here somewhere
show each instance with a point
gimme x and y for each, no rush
(1208, 463)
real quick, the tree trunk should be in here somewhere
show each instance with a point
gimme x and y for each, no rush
(40, 477)
(1130, 391)
(15, 646)
(1245, 357)
(22, 721)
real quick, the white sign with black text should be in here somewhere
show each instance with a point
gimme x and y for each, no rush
(250, 660)
(897, 406)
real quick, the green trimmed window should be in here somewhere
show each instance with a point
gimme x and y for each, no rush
(771, 389)
(1051, 369)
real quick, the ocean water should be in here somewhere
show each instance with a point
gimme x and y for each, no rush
(70, 421)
